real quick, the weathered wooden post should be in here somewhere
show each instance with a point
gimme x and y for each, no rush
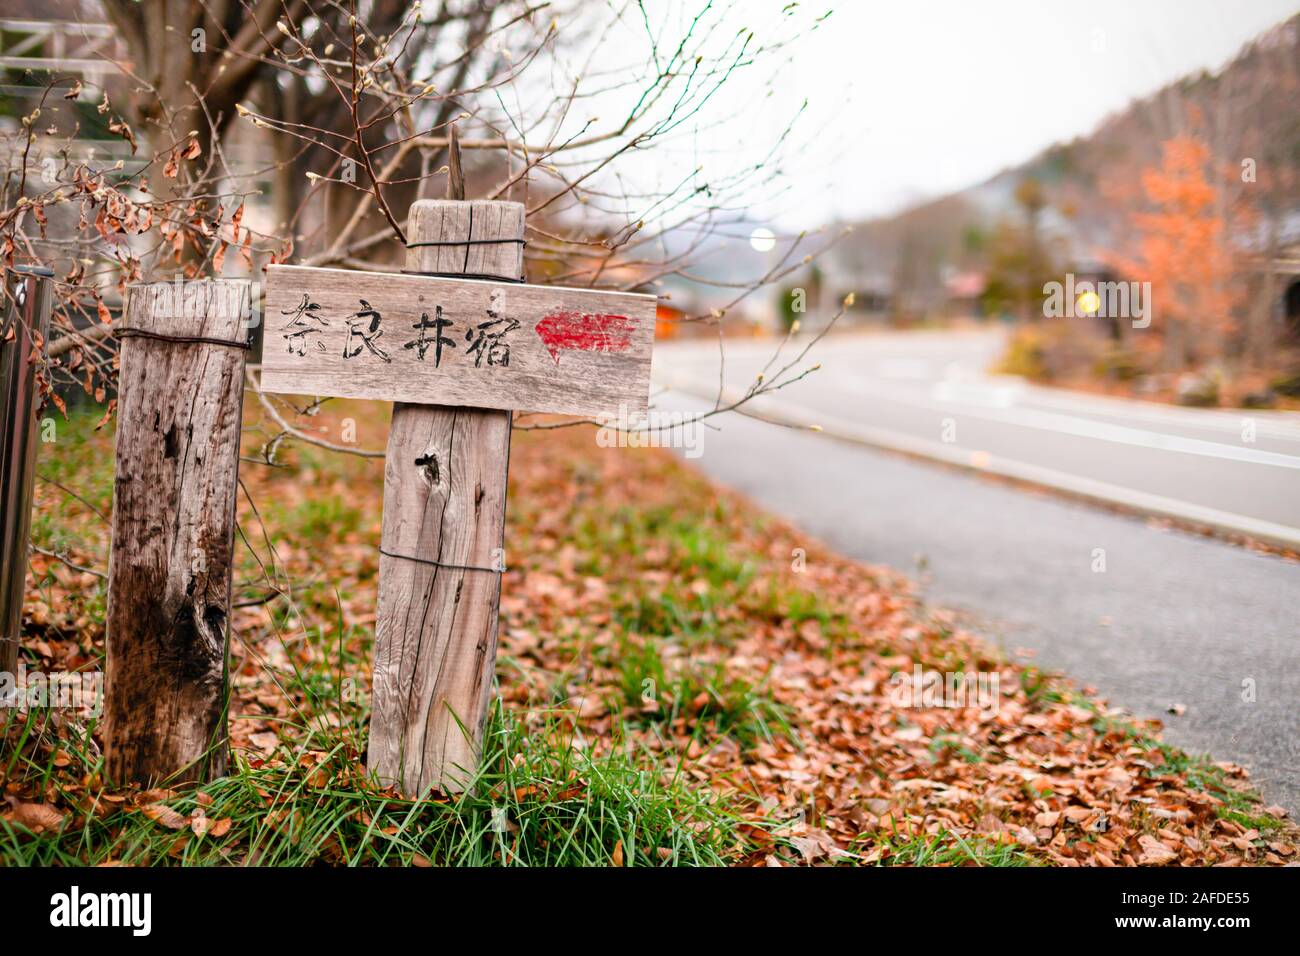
(445, 500)
(180, 399)
(22, 337)
(456, 343)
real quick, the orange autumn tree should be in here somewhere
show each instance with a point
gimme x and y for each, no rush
(1181, 246)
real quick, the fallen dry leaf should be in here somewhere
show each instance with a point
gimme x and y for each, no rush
(1154, 853)
(165, 815)
(38, 817)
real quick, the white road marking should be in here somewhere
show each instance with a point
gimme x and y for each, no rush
(949, 398)
(783, 412)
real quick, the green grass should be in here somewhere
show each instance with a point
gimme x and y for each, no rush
(73, 459)
(942, 744)
(1041, 688)
(946, 848)
(705, 696)
(780, 601)
(692, 544)
(315, 518)
(1264, 822)
(655, 629)
(712, 591)
(539, 800)
(79, 465)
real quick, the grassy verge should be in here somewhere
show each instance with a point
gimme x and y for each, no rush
(538, 800)
(683, 681)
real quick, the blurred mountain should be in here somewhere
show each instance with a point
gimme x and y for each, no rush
(1245, 114)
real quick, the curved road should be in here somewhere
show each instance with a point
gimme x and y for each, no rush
(1175, 621)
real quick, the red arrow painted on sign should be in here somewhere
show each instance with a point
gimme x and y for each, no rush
(585, 332)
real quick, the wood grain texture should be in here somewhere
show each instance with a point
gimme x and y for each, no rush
(178, 428)
(574, 351)
(444, 501)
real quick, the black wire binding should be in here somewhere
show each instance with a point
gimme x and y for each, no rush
(463, 242)
(477, 276)
(145, 334)
(442, 564)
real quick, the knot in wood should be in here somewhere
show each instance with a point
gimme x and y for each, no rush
(428, 465)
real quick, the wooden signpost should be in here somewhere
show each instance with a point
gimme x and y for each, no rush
(456, 352)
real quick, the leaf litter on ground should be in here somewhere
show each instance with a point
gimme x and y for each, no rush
(683, 679)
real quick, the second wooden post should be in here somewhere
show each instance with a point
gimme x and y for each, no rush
(180, 396)
(442, 539)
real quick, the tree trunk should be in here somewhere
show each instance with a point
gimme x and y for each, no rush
(1260, 309)
(169, 572)
(444, 512)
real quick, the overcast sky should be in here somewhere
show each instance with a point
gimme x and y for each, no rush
(921, 97)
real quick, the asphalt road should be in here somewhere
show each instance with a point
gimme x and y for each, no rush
(1173, 619)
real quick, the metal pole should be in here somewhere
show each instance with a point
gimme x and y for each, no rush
(23, 334)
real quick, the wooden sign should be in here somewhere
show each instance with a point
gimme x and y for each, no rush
(464, 342)
(456, 356)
